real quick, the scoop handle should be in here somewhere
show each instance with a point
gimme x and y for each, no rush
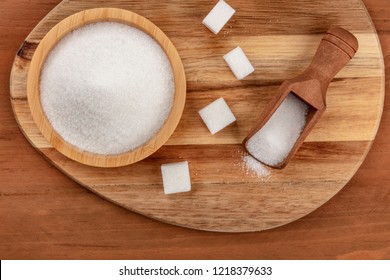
(336, 49)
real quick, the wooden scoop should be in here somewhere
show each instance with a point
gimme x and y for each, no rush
(336, 49)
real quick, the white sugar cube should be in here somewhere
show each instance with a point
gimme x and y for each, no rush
(238, 63)
(217, 115)
(218, 16)
(176, 177)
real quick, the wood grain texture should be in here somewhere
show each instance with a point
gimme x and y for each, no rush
(50, 40)
(46, 215)
(225, 196)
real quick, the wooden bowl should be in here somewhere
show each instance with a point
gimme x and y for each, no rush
(49, 42)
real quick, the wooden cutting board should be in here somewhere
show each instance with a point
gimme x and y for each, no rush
(279, 38)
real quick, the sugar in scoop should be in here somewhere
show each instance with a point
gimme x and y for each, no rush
(273, 142)
(289, 118)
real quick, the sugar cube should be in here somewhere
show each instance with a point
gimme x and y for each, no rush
(217, 115)
(238, 63)
(176, 177)
(218, 16)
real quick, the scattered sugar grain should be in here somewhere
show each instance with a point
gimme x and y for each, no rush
(274, 141)
(255, 166)
(218, 16)
(251, 166)
(239, 63)
(176, 177)
(107, 88)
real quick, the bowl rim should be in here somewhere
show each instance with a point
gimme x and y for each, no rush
(78, 20)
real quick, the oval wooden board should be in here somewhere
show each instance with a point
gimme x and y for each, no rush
(279, 38)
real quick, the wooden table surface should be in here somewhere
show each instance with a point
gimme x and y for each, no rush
(45, 215)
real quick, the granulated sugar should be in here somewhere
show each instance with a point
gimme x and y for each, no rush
(274, 141)
(107, 88)
(253, 165)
